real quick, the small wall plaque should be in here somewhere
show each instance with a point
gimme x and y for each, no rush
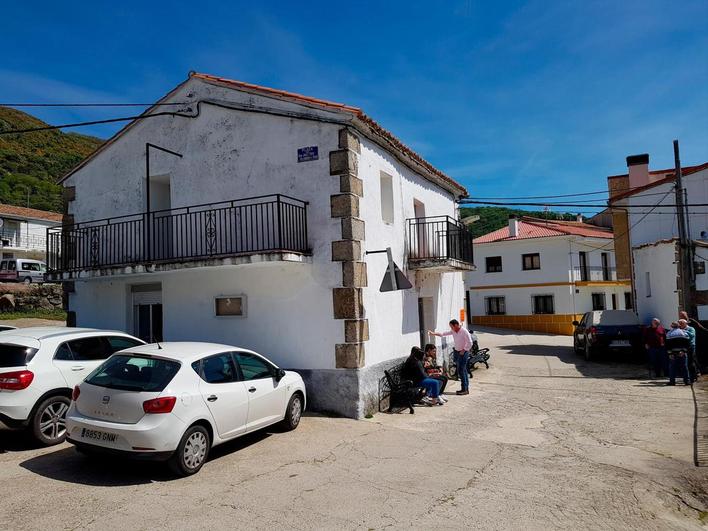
(307, 153)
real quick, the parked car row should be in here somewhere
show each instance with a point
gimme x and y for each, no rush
(110, 393)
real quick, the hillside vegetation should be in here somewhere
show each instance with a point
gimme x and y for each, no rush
(35, 161)
(492, 218)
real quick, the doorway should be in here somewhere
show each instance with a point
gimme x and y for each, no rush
(147, 312)
(426, 318)
(421, 240)
(161, 223)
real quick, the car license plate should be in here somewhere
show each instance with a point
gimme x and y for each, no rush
(620, 343)
(96, 435)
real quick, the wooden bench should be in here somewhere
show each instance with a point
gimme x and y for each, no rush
(401, 392)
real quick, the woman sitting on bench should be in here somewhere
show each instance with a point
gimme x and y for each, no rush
(434, 370)
(413, 370)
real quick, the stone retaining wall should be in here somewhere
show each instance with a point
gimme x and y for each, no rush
(28, 298)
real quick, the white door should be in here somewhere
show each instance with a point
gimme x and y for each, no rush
(76, 359)
(223, 393)
(266, 403)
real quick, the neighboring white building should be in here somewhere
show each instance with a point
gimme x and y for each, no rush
(23, 231)
(649, 240)
(540, 275)
(256, 236)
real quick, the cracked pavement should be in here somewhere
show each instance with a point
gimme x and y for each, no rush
(545, 440)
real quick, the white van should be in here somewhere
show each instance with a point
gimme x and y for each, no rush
(22, 270)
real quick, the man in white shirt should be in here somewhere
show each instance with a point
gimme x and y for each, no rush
(463, 345)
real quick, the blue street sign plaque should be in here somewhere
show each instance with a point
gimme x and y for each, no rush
(307, 153)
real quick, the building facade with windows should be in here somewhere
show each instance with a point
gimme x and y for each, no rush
(540, 275)
(23, 231)
(647, 239)
(245, 216)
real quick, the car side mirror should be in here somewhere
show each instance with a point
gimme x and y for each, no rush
(279, 374)
(576, 323)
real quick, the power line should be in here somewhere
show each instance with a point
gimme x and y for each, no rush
(570, 205)
(93, 122)
(89, 104)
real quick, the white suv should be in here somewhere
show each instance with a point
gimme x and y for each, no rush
(39, 367)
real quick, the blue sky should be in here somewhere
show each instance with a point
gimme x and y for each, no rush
(510, 98)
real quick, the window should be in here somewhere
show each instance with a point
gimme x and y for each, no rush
(628, 302)
(117, 343)
(230, 306)
(542, 304)
(605, 266)
(614, 302)
(3, 265)
(63, 353)
(583, 261)
(598, 301)
(495, 305)
(386, 198)
(494, 264)
(15, 355)
(31, 266)
(89, 348)
(647, 280)
(253, 367)
(216, 369)
(11, 265)
(134, 373)
(531, 261)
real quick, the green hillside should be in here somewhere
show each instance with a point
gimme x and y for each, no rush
(35, 161)
(492, 218)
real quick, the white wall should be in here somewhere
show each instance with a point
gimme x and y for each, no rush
(658, 260)
(26, 234)
(393, 316)
(275, 323)
(659, 224)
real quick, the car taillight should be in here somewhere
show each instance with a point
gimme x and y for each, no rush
(164, 404)
(75, 393)
(16, 381)
(592, 331)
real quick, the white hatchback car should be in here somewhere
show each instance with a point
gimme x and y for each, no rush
(39, 367)
(174, 401)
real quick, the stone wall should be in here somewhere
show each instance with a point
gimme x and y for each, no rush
(32, 297)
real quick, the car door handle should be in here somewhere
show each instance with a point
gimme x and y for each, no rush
(252, 390)
(78, 368)
(212, 398)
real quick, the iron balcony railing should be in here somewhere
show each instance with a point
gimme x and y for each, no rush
(253, 225)
(594, 273)
(439, 238)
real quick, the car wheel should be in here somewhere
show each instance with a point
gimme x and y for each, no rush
(293, 413)
(192, 452)
(588, 351)
(27, 280)
(49, 422)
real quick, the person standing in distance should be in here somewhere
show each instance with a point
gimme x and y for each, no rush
(463, 345)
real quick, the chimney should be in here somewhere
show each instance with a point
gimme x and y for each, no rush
(513, 226)
(638, 168)
(579, 218)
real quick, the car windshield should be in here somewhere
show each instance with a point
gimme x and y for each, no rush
(134, 373)
(615, 318)
(16, 355)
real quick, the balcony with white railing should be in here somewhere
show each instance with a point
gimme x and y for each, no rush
(591, 274)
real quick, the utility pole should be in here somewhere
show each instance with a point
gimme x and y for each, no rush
(685, 254)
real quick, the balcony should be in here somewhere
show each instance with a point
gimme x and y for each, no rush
(265, 228)
(441, 243)
(594, 275)
(19, 239)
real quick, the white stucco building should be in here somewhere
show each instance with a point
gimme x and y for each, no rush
(23, 231)
(649, 242)
(252, 230)
(540, 275)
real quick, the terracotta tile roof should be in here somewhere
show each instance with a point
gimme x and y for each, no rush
(665, 176)
(540, 228)
(330, 105)
(23, 212)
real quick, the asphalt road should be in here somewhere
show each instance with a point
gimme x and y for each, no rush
(544, 441)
